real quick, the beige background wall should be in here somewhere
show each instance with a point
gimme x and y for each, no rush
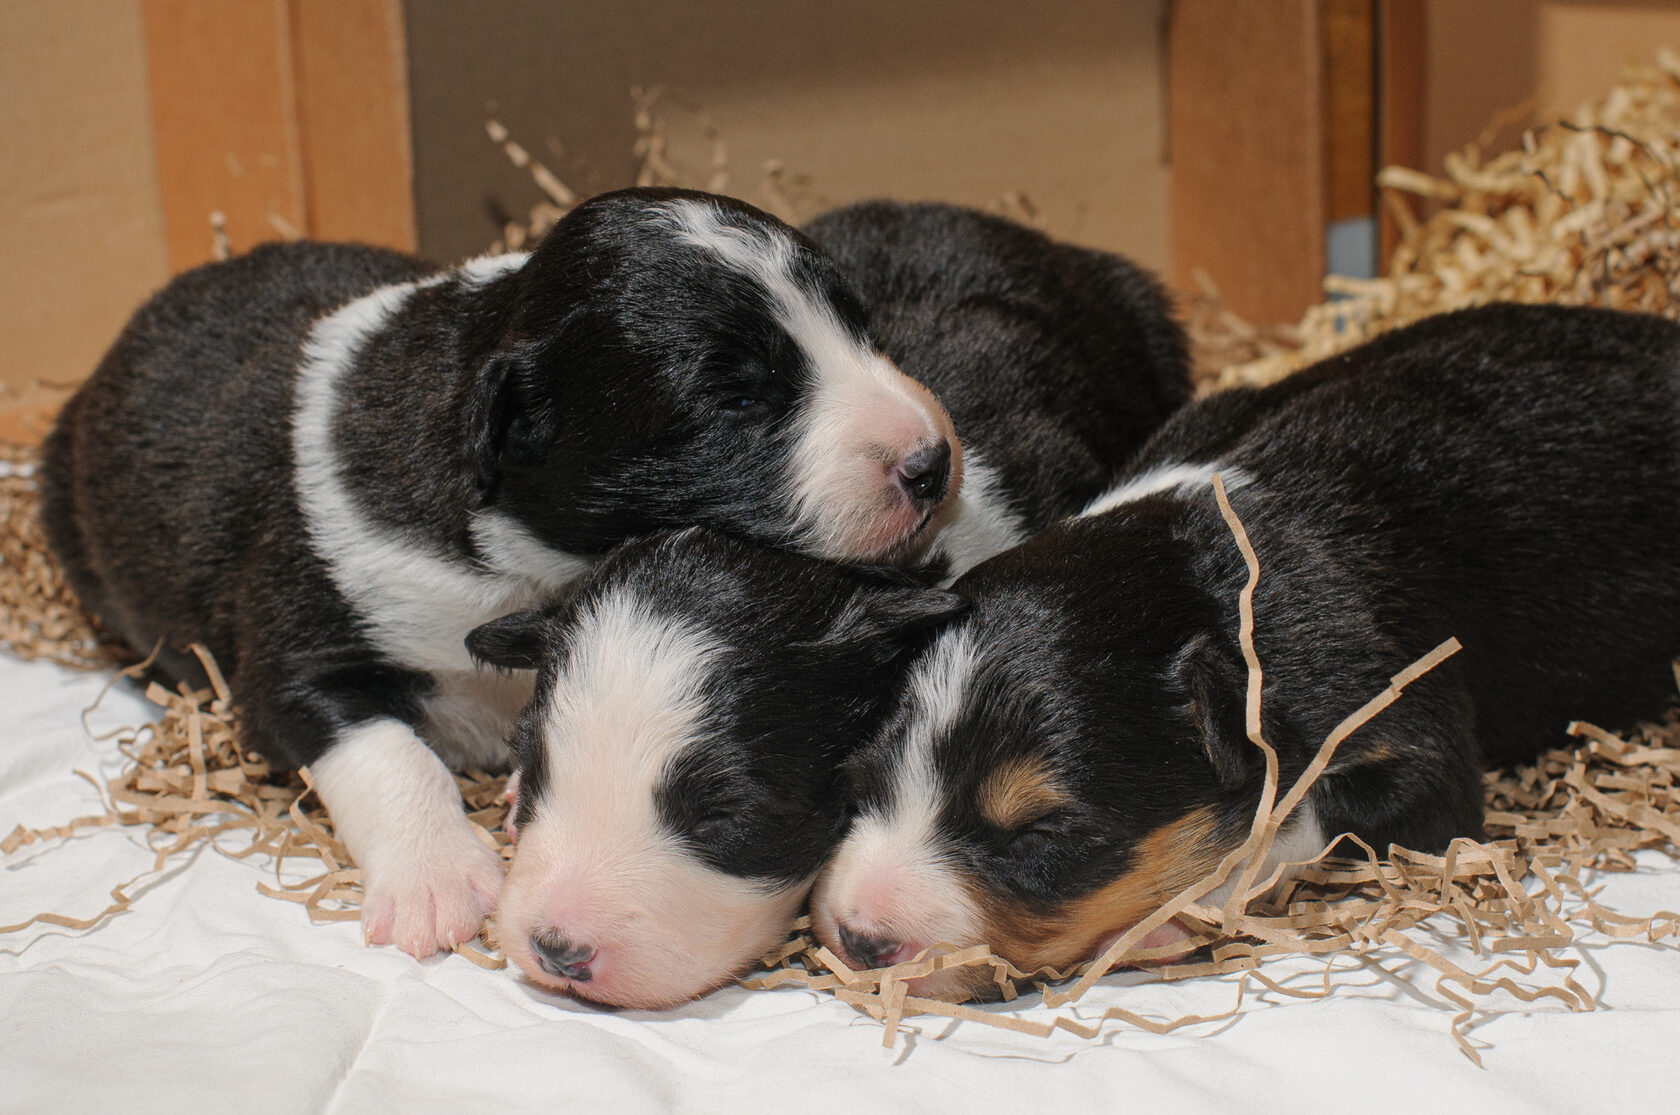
(81, 231)
(964, 100)
(1492, 54)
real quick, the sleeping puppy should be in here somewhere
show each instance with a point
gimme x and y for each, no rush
(769, 686)
(675, 793)
(329, 463)
(1073, 754)
(1055, 361)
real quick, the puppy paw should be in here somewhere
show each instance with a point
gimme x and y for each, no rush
(432, 899)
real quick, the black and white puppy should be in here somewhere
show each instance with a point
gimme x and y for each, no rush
(1056, 362)
(666, 846)
(329, 463)
(1073, 753)
(676, 769)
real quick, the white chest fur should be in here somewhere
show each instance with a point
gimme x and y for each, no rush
(418, 603)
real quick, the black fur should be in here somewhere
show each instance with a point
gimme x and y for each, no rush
(1508, 475)
(167, 494)
(808, 656)
(619, 383)
(1055, 361)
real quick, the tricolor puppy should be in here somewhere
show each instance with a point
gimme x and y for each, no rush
(329, 463)
(1055, 361)
(676, 796)
(1072, 753)
(697, 671)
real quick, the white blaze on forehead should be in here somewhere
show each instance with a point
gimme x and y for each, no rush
(594, 863)
(891, 874)
(862, 416)
(631, 696)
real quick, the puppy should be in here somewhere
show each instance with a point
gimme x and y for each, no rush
(676, 792)
(1062, 358)
(1072, 754)
(329, 463)
(1055, 361)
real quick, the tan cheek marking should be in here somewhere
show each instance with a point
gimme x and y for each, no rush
(1381, 751)
(1172, 858)
(1017, 792)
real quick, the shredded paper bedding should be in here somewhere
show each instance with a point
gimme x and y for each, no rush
(1582, 212)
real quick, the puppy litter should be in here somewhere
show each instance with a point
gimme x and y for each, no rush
(1580, 214)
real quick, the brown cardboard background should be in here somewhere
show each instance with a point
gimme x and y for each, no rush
(964, 101)
(1489, 55)
(81, 230)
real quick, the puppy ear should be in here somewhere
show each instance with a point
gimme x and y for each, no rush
(1213, 688)
(517, 641)
(513, 421)
(887, 618)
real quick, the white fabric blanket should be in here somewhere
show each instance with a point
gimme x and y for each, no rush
(206, 994)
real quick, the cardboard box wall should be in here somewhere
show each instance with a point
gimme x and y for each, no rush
(967, 102)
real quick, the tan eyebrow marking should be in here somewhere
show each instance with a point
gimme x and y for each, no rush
(1019, 791)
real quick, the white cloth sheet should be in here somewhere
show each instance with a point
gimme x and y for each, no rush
(206, 995)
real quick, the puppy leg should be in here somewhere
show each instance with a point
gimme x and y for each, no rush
(427, 880)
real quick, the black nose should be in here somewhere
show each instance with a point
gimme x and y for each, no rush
(925, 472)
(559, 957)
(865, 949)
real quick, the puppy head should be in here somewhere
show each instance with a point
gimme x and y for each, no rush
(677, 764)
(1060, 764)
(668, 357)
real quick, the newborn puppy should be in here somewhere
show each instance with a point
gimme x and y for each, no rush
(675, 795)
(1056, 362)
(1073, 754)
(1060, 358)
(329, 463)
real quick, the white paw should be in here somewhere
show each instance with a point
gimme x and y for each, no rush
(430, 898)
(427, 880)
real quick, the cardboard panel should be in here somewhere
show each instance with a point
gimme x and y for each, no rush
(1481, 61)
(352, 87)
(960, 101)
(81, 232)
(1246, 118)
(225, 112)
(1580, 48)
(1402, 54)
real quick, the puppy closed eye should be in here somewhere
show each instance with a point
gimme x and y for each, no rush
(1029, 843)
(716, 828)
(1034, 840)
(743, 406)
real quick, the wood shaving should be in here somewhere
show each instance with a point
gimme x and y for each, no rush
(1579, 214)
(39, 615)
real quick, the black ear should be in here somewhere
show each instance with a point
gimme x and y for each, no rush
(513, 417)
(1214, 686)
(517, 641)
(884, 618)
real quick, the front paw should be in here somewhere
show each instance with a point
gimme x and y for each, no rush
(431, 897)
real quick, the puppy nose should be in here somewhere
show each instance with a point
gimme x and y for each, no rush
(869, 951)
(925, 472)
(560, 957)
